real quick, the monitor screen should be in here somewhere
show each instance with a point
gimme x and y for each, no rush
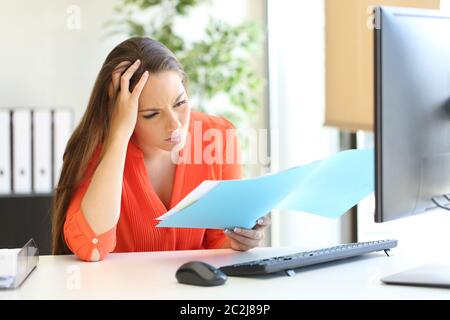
(412, 112)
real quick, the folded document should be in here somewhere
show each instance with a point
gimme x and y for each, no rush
(327, 187)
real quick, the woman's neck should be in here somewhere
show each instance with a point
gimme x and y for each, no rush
(158, 156)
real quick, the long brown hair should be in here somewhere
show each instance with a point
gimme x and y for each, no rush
(94, 126)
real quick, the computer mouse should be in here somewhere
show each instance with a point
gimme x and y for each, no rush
(200, 273)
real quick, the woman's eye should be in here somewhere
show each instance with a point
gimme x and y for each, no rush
(179, 104)
(149, 116)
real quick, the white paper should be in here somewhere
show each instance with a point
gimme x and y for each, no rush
(8, 267)
(202, 189)
(8, 262)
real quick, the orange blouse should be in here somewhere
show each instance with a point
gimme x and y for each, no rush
(136, 229)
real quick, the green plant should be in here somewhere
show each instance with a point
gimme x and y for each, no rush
(219, 64)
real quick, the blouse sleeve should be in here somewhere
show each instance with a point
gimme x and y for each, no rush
(79, 236)
(214, 239)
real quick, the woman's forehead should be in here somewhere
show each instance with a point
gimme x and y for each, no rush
(161, 89)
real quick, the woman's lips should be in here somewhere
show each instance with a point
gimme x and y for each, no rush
(175, 138)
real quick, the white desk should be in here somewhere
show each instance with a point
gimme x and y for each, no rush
(151, 276)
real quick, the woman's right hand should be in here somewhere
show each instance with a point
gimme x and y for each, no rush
(126, 103)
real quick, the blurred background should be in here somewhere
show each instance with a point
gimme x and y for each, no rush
(299, 73)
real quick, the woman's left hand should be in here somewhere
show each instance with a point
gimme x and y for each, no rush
(246, 239)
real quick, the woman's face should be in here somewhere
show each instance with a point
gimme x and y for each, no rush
(163, 115)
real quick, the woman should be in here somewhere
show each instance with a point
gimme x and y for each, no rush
(127, 161)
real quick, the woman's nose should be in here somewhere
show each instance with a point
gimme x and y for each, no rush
(172, 122)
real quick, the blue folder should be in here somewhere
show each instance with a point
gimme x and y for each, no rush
(327, 188)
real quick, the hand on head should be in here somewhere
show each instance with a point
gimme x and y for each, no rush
(125, 103)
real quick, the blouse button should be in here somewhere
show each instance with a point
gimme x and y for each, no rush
(95, 241)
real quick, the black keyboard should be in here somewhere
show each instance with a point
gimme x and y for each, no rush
(300, 259)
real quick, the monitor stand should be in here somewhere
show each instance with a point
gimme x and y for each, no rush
(429, 275)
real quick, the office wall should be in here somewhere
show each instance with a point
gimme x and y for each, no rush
(445, 6)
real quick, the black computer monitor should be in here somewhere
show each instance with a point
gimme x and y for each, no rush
(412, 122)
(412, 111)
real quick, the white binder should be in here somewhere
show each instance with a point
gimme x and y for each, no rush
(21, 151)
(42, 151)
(62, 124)
(5, 152)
